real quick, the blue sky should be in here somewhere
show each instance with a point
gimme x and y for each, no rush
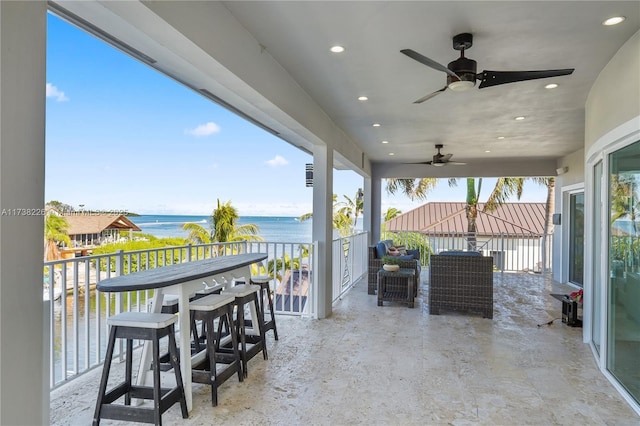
(120, 135)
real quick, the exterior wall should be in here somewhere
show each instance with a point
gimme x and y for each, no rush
(565, 182)
(612, 121)
(614, 98)
(24, 390)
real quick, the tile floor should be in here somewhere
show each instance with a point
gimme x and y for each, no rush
(392, 365)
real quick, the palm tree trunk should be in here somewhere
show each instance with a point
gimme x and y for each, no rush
(472, 215)
(548, 222)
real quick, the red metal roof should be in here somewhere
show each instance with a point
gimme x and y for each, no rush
(448, 218)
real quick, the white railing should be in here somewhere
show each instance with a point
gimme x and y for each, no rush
(78, 314)
(349, 262)
(511, 252)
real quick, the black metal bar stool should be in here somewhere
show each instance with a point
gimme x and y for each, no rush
(247, 294)
(265, 293)
(140, 326)
(205, 370)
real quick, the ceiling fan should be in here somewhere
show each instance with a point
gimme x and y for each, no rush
(442, 159)
(461, 73)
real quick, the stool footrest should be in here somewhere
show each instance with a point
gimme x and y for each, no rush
(133, 413)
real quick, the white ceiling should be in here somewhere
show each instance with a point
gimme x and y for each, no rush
(507, 36)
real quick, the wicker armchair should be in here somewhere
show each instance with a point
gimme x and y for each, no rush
(375, 265)
(461, 283)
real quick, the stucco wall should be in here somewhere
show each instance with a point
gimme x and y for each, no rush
(615, 97)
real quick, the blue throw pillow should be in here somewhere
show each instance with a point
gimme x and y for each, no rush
(406, 257)
(381, 250)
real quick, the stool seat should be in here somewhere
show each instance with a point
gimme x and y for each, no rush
(260, 279)
(142, 320)
(211, 302)
(242, 290)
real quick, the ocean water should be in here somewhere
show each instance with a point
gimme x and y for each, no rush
(271, 228)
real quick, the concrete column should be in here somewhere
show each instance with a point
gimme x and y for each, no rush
(367, 209)
(24, 383)
(322, 230)
(376, 212)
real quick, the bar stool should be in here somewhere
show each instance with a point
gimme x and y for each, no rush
(208, 309)
(265, 291)
(247, 294)
(143, 326)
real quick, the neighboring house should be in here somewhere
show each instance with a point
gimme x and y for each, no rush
(88, 230)
(512, 235)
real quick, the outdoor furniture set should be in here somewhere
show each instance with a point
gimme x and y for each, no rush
(221, 350)
(458, 280)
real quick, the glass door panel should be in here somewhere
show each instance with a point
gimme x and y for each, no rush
(576, 238)
(623, 347)
(596, 267)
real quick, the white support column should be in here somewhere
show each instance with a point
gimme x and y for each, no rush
(24, 384)
(376, 213)
(322, 230)
(367, 224)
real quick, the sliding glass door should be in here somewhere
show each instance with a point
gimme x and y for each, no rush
(623, 333)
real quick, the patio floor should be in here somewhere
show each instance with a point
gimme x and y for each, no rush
(392, 365)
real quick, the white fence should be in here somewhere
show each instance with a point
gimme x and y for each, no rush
(77, 316)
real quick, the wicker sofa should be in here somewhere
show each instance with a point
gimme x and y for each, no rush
(461, 281)
(375, 264)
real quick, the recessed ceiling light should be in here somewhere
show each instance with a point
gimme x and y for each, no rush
(551, 86)
(500, 137)
(615, 20)
(337, 49)
(519, 118)
(363, 98)
(376, 124)
(487, 150)
(391, 153)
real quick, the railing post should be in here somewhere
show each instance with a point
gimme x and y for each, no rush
(119, 259)
(189, 252)
(502, 253)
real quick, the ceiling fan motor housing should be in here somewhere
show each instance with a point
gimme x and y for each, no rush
(463, 67)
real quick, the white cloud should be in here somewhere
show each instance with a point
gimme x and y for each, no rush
(206, 129)
(277, 161)
(53, 92)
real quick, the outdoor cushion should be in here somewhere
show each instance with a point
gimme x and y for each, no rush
(381, 249)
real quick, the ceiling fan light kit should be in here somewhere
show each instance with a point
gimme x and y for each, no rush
(462, 75)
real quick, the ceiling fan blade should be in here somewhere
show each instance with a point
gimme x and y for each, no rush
(428, 62)
(429, 96)
(494, 78)
(445, 157)
(456, 163)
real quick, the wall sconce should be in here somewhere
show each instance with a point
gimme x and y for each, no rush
(309, 174)
(562, 170)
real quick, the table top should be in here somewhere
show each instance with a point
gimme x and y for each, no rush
(401, 271)
(178, 273)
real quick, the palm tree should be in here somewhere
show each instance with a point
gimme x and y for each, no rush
(224, 227)
(415, 189)
(391, 213)
(55, 231)
(343, 211)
